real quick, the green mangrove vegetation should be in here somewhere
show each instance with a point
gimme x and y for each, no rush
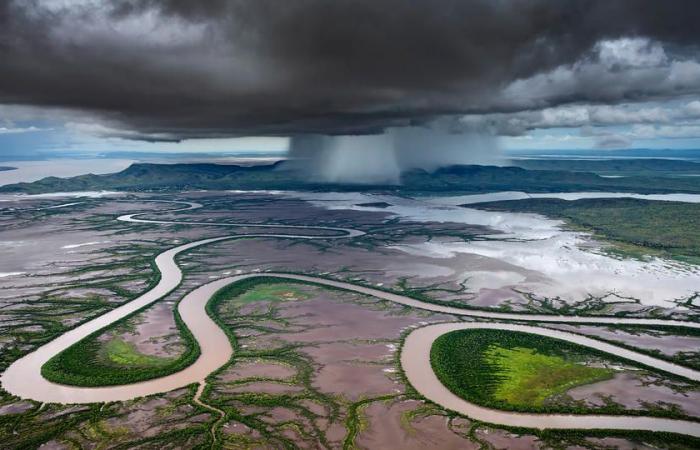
(103, 359)
(518, 371)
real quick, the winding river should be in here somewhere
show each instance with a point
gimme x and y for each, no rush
(23, 378)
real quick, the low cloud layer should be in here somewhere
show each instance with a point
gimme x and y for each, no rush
(177, 69)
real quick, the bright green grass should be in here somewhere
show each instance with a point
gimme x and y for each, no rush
(528, 378)
(515, 371)
(273, 292)
(122, 353)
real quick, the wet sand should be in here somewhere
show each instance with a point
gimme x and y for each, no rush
(388, 428)
(257, 368)
(635, 391)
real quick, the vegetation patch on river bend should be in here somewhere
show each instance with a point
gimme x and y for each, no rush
(517, 371)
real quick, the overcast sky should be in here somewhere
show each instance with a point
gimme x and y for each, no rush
(97, 75)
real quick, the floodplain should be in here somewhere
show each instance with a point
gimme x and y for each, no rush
(300, 347)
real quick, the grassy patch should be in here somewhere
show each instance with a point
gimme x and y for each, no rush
(528, 377)
(121, 353)
(273, 292)
(515, 371)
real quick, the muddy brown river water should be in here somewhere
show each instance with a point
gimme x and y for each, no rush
(23, 378)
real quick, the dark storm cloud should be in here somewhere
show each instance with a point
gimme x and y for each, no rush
(171, 69)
